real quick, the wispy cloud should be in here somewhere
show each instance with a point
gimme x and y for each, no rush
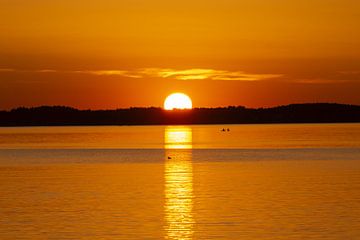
(7, 70)
(182, 74)
(187, 74)
(46, 71)
(354, 72)
(124, 73)
(321, 81)
(206, 74)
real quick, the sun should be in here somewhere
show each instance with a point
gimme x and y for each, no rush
(177, 101)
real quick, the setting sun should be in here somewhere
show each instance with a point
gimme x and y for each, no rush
(177, 101)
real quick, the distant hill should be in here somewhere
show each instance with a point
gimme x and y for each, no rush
(294, 113)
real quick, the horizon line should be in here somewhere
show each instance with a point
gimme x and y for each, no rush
(158, 107)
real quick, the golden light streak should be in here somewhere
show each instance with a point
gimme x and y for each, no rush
(178, 183)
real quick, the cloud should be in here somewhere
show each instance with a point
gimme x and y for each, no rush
(184, 74)
(226, 75)
(349, 72)
(7, 70)
(46, 71)
(198, 74)
(123, 73)
(321, 81)
(205, 74)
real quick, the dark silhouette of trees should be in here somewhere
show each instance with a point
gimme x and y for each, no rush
(294, 113)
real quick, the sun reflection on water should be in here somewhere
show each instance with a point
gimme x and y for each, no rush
(178, 183)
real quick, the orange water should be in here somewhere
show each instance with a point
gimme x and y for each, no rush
(190, 182)
(202, 136)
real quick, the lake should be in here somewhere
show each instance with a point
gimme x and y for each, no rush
(270, 181)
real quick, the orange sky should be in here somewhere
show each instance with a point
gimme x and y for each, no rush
(111, 54)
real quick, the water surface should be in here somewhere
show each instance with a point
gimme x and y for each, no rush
(291, 181)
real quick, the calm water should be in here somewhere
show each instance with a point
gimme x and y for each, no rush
(293, 181)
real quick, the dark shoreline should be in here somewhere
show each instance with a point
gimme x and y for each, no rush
(293, 113)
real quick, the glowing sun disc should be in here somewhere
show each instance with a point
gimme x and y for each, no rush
(177, 101)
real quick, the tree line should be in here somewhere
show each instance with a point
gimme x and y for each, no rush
(293, 113)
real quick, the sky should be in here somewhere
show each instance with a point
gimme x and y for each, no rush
(106, 54)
